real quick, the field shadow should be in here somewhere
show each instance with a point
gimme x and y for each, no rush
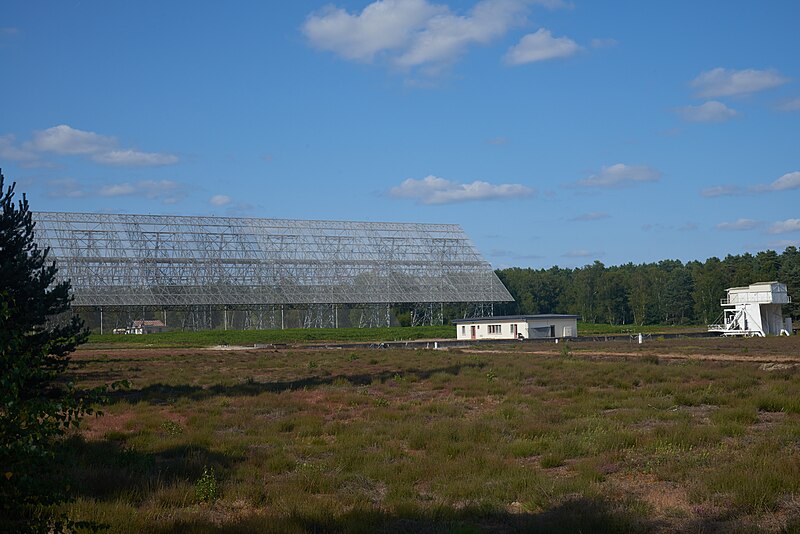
(166, 394)
(575, 515)
(109, 469)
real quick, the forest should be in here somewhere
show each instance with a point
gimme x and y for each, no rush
(667, 292)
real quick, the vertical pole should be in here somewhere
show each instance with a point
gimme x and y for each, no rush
(165, 317)
(225, 317)
(283, 325)
(336, 315)
(101, 320)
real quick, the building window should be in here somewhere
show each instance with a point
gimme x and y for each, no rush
(495, 329)
(463, 330)
(514, 330)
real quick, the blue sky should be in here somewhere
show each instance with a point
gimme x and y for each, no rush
(555, 133)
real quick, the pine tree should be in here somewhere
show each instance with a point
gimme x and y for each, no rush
(37, 404)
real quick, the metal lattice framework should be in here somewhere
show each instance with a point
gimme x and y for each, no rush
(178, 261)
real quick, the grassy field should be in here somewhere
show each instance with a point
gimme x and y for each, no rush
(210, 338)
(591, 329)
(612, 437)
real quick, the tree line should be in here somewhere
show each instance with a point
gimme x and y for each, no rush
(667, 292)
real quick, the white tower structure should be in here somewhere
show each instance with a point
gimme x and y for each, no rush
(754, 310)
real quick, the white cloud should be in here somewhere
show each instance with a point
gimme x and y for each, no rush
(382, 25)
(414, 33)
(790, 105)
(63, 139)
(67, 141)
(738, 225)
(711, 111)
(721, 191)
(540, 46)
(727, 82)
(220, 200)
(782, 227)
(790, 180)
(446, 36)
(435, 190)
(167, 191)
(591, 216)
(134, 158)
(621, 175)
(10, 151)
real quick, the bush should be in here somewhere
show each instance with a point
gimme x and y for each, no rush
(206, 489)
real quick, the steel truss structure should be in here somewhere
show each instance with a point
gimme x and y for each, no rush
(170, 262)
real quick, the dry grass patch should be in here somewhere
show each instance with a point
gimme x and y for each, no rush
(387, 440)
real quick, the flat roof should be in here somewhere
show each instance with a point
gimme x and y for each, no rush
(756, 284)
(514, 318)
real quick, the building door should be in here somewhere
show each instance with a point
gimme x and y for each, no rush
(472, 332)
(552, 330)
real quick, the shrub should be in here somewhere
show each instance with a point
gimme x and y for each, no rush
(206, 489)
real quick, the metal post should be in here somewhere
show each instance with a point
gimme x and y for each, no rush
(225, 317)
(101, 320)
(283, 325)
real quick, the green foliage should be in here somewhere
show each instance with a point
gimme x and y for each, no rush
(207, 488)
(668, 292)
(172, 428)
(37, 407)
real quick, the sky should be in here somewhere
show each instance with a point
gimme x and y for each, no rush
(553, 132)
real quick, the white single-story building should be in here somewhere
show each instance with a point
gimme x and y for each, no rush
(517, 327)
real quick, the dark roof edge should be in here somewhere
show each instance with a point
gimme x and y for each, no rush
(512, 317)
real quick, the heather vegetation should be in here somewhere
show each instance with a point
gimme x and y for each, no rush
(667, 292)
(592, 437)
